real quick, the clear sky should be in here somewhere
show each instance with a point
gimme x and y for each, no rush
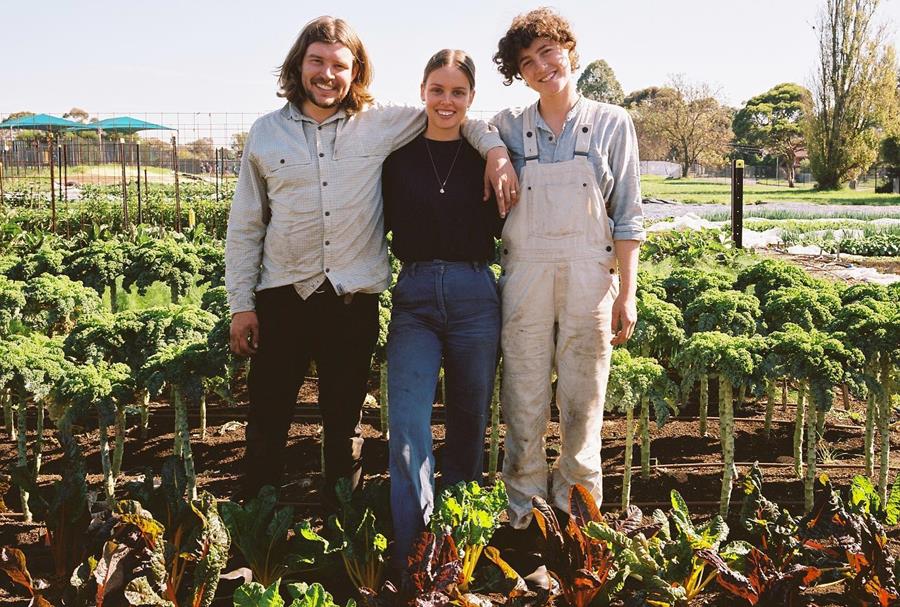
(220, 56)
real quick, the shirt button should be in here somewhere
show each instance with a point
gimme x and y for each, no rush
(324, 183)
(551, 137)
(327, 242)
(327, 270)
(528, 134)
(319, 128)
(608, 249)
(506, 251)
(282, 161)
(584, 129)
(327, 213)
(611, 270)
(321, 155)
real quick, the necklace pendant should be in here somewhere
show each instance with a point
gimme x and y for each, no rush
(442, 190)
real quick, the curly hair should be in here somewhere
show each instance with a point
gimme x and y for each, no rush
(542, 22)
(330, 31)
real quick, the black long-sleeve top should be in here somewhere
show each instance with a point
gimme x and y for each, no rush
(454, 226)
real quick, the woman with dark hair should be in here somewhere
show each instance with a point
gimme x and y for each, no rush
(446, 308)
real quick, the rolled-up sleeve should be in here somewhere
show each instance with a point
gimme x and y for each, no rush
(401, 124)
(246, 233)
(481, 135)
(625, 200)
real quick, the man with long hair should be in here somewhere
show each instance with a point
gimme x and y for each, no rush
(305, 254)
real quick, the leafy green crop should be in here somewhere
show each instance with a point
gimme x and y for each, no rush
(470, 513)
(261, 533)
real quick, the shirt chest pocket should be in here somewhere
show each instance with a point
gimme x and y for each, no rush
(287, 172)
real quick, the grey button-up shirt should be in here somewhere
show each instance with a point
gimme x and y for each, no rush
(613, 153)
(322, 185)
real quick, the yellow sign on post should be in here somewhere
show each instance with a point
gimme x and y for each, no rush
(738, 164)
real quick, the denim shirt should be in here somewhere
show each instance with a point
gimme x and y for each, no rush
(613, 153)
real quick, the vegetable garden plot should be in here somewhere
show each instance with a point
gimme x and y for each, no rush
(133, 387)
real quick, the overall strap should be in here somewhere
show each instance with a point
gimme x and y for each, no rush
(583, 131)
(529, 133)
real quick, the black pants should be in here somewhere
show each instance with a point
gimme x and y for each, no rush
(340, 336)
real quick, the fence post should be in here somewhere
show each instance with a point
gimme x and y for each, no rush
(177, 191)
(140, 210)
(896, 187)
(65, 164)
(217, 174)
(2, 197)
(737, 203)
(52, 186)
(125, 219)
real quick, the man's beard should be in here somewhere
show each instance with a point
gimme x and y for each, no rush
(311, 97)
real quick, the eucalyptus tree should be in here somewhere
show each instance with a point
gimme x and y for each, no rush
(773, 121)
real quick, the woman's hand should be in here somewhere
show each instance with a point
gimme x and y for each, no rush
(500, 176)
(624, 317)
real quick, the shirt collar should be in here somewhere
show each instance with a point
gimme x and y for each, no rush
(539, 121)
(294, 113)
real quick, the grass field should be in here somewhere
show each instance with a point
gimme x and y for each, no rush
(718, 191)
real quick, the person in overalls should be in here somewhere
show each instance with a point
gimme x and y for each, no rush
(569, 257)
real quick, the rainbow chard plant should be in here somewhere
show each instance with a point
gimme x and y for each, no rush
(578, 556)
(263, 535)
(362, 538)
(470, 513)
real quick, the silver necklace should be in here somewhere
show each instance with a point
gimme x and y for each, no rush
(443, 182)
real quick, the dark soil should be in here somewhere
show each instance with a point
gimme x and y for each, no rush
(680, 459)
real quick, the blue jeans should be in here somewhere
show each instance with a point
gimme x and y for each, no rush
(450, 311)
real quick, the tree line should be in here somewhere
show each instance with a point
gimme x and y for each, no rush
(845, 122)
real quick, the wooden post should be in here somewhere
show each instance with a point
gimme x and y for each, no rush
(216, 168)
(65, 164)
(52, 186)
(737, 203)
(140, 210)
(177, 190)
(124, 184)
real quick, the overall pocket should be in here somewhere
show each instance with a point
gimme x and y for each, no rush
(559, 210)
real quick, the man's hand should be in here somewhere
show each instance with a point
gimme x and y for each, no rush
(624, 317)
(500, 176)
(244, 337)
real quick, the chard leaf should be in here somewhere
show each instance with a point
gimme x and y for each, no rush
(863, 496)
(512, 584)
(254, 594)
(139, 592)
(892, 508)
(582, 506)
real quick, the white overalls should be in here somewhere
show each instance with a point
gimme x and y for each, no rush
(558, 288)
